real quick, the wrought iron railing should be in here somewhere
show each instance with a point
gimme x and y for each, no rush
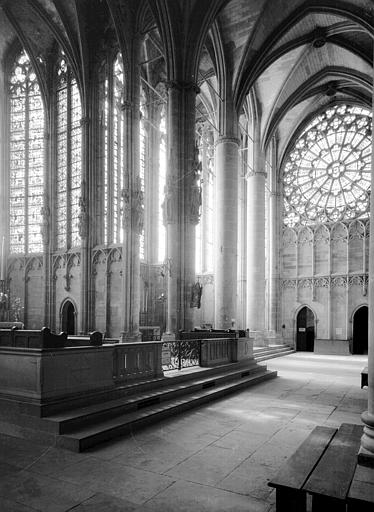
(181, 354)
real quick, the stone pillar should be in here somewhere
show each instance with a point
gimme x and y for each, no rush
(274, 236)
(83, 226)
(181, 205)
(256, 242)
(226, 231)
(366, 453)
(132, 221)
(45, 229)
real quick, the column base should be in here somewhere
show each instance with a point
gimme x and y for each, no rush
(365, 458)
(259, 338)
(366, 452)
(168, 336)
(126, 337)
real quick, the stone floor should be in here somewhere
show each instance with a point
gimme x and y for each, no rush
(215, 458)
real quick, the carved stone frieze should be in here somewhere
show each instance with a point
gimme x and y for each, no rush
(339, 281)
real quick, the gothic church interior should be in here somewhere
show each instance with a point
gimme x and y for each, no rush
(171, 165)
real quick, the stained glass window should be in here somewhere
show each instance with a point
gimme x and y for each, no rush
(204, 229)
(26, 151)
(143, 147)
(69, 157)
(161, 188)
(113, 126)
(326, 177)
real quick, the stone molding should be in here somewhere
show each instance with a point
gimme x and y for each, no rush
(327, 281)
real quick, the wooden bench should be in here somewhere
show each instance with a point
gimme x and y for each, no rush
(323, 466)
(290, 480)
(364, 377)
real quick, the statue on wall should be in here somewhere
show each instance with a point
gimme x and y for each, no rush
(44, 227)
(82, 218)
(196, 292)
(195, 198)
(126, 209)
(138, 207)
(169, 206)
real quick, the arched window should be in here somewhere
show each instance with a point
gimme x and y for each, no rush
(161, 188)
(26, 158)
(326, 176)
(113, 125)
(69, 158)
(204, 229)
(143, 157)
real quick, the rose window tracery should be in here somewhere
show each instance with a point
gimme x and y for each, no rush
(326, 177)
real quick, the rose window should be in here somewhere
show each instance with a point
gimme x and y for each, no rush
(326, 177)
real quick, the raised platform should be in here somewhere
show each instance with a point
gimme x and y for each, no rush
(78, 396)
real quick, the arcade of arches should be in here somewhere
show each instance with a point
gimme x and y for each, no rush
(153, 148)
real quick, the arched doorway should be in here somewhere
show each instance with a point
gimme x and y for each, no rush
(68, 318)
(360, 331)
(305, 330)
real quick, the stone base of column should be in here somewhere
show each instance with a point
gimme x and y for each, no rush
(168, 336)
(126, 337)
(366, 453)
(274, 338)
(259, 338)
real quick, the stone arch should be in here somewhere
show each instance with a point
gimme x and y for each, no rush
(305, 320)
(359, 319)
(68, 316)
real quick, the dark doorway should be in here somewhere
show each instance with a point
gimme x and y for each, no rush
(360, 331)
(68, 318)
(305, 330)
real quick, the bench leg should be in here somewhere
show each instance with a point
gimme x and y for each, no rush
(289, 499)
(324, 503)
(359, 506)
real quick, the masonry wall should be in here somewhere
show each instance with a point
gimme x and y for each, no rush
(324, 267)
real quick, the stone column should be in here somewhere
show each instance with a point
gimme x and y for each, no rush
(45, 229)
(226, 231)
(181, 205)
(83, 226)
(132, 203)
(274, 236)
(256, 242)
(366, 453)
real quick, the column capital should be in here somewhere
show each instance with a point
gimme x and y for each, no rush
(227, 140)
(181, 85)
(252, 172)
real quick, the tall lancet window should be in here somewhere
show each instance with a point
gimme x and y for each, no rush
(69, 157)
(161, 188)
(26, 158)
(112, 121)
(143, 158)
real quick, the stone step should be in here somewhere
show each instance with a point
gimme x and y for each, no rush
(134, 388)
(265, 357)
(67, 421)
(84, 437)
(263, 353)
